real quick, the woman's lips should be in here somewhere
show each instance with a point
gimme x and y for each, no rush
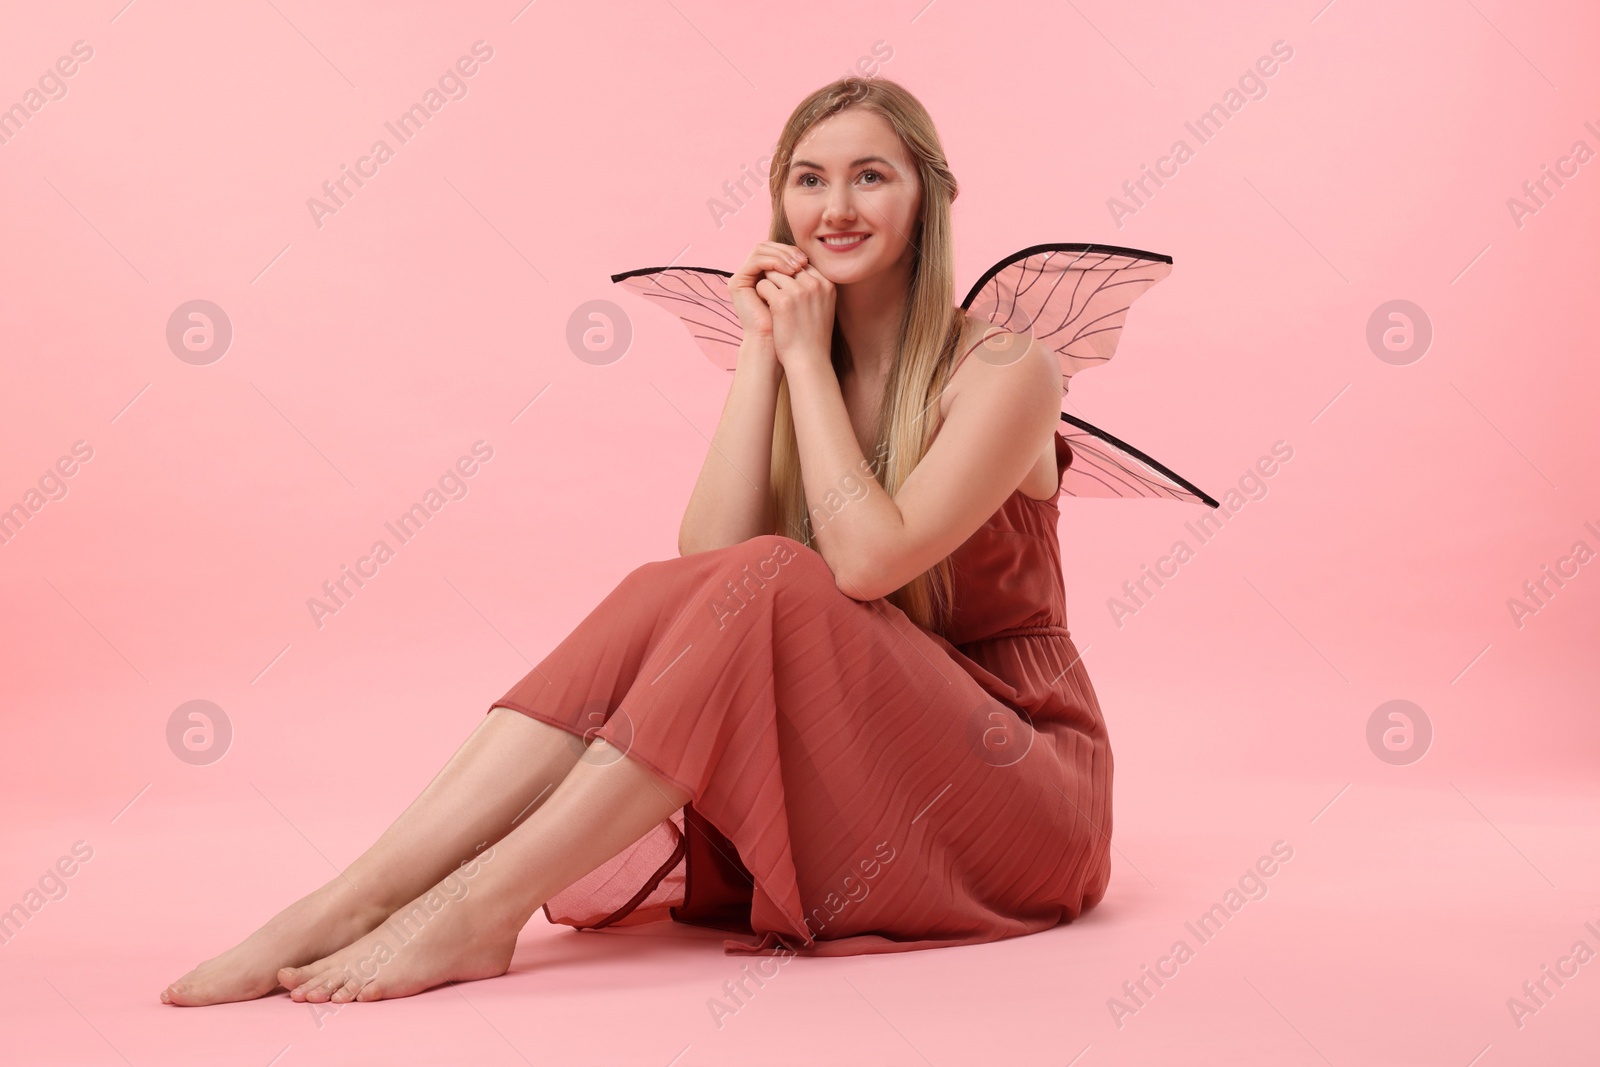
(852, 246)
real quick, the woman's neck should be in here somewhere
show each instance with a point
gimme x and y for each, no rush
(869, 314)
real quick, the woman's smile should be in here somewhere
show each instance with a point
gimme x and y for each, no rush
(844, 242)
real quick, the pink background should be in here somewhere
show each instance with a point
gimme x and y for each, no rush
(432, 311)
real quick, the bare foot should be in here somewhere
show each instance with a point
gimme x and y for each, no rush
(307, 929)
(434, 939)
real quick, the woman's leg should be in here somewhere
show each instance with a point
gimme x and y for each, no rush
(466, 927)
(510, 764)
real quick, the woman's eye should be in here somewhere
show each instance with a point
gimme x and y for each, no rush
(801, 181)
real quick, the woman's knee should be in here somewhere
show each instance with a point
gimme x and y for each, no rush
(647, 575)
(753, 564)
(776, 557)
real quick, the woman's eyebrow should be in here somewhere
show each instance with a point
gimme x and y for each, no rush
(853, 162)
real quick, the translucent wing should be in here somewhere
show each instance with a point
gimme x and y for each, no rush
(699, 297)
(1074, 299)
(1101, 465)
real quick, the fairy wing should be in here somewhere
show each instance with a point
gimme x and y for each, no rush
(1071, 297)
(699, 297)
(1099, 464)
(1074, 299)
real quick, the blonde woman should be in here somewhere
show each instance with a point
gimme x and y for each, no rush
(848, 718)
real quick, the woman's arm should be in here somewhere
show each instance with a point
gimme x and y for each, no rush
(1007, 408)
(996, 427)
(731, 501)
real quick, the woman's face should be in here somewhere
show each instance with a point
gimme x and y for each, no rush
(851, 175)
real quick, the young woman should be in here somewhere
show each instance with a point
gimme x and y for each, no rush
(849, 717)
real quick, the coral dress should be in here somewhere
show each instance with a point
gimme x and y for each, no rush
(859, 784)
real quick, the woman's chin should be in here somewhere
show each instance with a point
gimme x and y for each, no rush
(846, 274)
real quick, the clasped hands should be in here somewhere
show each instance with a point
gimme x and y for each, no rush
(802, 315)
(779, 295)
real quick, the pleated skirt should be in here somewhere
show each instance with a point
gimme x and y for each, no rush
(858, 783)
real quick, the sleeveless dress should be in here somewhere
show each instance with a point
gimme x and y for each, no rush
(859, 784)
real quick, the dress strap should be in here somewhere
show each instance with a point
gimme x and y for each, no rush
(1063, 454)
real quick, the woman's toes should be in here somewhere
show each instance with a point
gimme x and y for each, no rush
(306, 979)
(187, 994)
(305, 983)
(323, 989)
(347, 990)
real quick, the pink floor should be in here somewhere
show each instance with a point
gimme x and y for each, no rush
(1443, 463)
(1413, 908)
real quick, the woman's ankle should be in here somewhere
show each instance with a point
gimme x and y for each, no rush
(364, 902)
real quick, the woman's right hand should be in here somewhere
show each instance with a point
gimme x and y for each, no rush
(754, 314)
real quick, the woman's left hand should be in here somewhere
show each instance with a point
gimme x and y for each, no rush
(802, 314)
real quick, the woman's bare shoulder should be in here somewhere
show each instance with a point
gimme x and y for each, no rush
(983, 342)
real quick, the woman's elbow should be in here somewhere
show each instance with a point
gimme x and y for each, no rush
(860, 582)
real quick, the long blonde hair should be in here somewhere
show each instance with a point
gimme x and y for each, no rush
(930, 330)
